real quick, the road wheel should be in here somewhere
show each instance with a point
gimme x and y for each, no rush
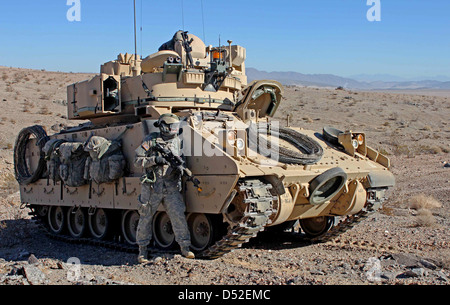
(202, 231)
(99, 224)
(317, 226)
(76, 221)
(56, 219)
(41, 210)
(163, 232)
(130, 222)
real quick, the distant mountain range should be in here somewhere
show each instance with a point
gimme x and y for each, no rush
(330, 80)
(393, 78)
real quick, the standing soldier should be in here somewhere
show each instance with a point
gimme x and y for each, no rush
(161, 184)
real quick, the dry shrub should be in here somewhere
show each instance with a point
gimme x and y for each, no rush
(383, 151)
(425, 218)
(426, 149)
(5, 145)
(44, 111)
(28, 104)
(423, 205)
(422, 201)
(393, 116)
(399, 150)
(387, 211)
(308, 120)
(8, 183)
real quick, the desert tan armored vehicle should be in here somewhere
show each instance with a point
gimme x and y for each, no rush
(254, 173)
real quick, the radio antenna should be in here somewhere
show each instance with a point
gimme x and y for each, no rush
(203, 21)
(135, 36)
(182, 13)
(142, 39)
(220, 49)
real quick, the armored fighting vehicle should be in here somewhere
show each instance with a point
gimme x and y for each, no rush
(81, 183)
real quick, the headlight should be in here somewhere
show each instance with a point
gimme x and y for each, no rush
(240, 144)
(231, 137)
(353, 142)
(233, 142)
(360, 139)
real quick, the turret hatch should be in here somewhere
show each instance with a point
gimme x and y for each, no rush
(263, 97)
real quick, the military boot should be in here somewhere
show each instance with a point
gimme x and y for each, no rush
(142, 257)
(187, 253)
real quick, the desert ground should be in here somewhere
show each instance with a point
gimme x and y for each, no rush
(406, 242)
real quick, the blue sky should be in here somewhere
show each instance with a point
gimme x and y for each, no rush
(308, 36)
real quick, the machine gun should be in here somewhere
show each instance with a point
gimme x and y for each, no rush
(178, 163)
(187, 47)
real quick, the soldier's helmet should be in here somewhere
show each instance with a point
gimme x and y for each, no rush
(169, 125)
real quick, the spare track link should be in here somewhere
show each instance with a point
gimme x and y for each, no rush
(260, 208)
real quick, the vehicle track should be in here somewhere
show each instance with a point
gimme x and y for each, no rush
(260, 207)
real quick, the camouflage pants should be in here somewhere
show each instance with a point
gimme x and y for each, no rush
(167, 193)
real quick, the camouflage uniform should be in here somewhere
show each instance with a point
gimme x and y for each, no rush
(162, 185)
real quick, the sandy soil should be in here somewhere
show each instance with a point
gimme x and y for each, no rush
(406, 242)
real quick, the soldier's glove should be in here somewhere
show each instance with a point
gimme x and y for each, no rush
(161, 161)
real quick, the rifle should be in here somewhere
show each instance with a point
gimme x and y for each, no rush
(178, 163)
